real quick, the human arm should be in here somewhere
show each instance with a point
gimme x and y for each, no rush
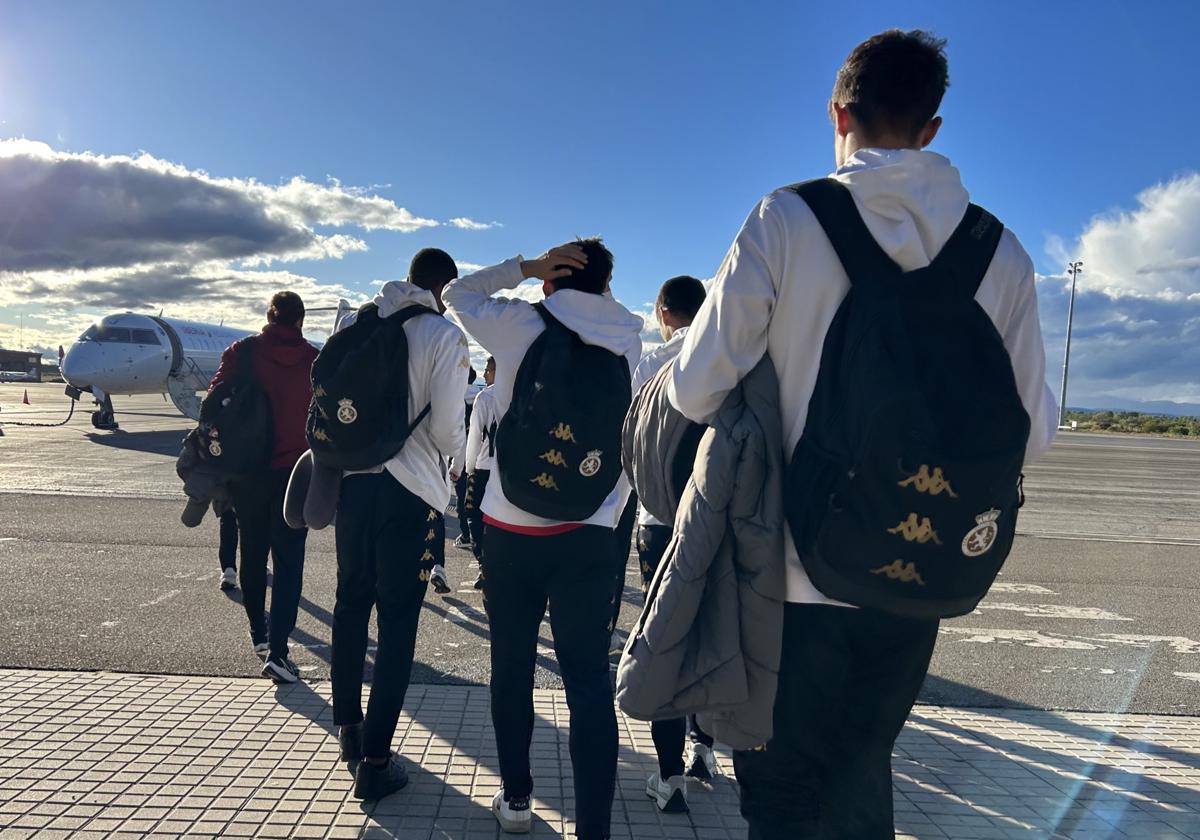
(728, 337)
(447, 387)
(227, 369)
(1022, 337)
(490, 320)
(475, 433)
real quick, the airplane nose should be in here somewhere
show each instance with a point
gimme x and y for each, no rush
(81, 364)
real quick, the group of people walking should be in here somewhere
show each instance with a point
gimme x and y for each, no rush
(545, 494)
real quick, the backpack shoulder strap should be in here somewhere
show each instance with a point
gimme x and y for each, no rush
(856, 248)
(969, 250)
(547, 317)
(244, 350)
(409, 312)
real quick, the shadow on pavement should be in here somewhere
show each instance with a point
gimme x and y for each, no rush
(158, 443)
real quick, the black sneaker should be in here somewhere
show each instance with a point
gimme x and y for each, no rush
(375, 781)
(350, 741)
(281, 670)
(478, 584)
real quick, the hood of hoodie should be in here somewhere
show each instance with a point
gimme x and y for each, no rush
(394, 295)
(910, 200)
(286, 345)
(598, 320)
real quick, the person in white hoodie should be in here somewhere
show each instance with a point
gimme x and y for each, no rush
(480, 460)
(848, 677)
(389, 524)
(679, 299)
(530, 562)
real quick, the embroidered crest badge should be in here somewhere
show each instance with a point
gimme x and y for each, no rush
(346, 412)
(980, 538)
(591, 464)
(214, 448)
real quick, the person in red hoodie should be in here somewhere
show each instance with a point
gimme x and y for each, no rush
(282, 362)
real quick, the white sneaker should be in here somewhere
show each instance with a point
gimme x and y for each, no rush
(228, 579)
(702, 762)
(515, 816)
(439, 580)
(670, 796)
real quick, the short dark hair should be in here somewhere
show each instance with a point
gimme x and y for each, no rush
(471, 376)
(491, 362)
(286, 308)
(431, 269)
(594, 276)
(683, 294)
(894, 82)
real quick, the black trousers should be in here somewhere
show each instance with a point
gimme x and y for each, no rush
(476, 486)
(623, 534)
(385, 539)
(227, 552)
(572, 573)
(668, 735)
(258, 502)
(847, 681)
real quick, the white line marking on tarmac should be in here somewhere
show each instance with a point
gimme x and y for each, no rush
(1054, 611)
(1179, 644)
(165, 597)
(1025, 588)
(1028, 638)
(1188, 675)
(1107, 538)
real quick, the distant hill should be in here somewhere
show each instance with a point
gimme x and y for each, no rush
(1162, 407)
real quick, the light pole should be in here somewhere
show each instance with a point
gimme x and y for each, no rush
(1073, 269)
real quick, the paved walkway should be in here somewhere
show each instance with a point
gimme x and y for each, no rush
(123, 755)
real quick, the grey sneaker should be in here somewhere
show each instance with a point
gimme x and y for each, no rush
(228, 579)
(281, 670)
(439, 580)
(669, 795)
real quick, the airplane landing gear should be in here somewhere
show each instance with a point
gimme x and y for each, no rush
(104, 417)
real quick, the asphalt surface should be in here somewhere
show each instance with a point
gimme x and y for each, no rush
(1096, 608)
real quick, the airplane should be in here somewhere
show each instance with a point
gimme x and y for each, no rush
(127, 353)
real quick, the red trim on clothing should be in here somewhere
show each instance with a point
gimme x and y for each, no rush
(533, 530)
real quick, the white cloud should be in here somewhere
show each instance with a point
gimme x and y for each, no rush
(470, 224)
(1137, 312)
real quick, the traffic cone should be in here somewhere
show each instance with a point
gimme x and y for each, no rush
(25, 399)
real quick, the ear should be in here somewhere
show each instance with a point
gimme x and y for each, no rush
(547, 288)
(929, 132)
(841, 119)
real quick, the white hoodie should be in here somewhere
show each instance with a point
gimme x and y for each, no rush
(781, 283)
(506, 328)
(483, 415)
(438, 362)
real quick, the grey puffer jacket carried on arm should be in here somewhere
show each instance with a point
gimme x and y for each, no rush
(709, 639)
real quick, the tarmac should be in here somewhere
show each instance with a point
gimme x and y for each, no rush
(1066, 706)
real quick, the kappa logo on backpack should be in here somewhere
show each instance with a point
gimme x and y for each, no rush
(558, 447)
(236, 434)
(358, 417)
(902, 494)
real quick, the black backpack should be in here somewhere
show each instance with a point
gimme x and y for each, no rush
(236, 435)
(358, 418)
(559, 444)
(902, 494)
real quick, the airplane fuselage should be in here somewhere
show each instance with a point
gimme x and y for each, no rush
(142, 354)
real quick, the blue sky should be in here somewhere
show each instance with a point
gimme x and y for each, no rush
(656, 125)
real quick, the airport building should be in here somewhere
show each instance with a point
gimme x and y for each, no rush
(20, 366)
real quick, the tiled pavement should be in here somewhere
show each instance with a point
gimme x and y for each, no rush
(117, 755)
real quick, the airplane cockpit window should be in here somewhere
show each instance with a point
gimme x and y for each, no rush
(107, 334)
(144, 336)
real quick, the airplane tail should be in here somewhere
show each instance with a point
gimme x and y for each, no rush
(343, 309)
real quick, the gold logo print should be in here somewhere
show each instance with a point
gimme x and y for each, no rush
(916, 531)
(546, 481)
(320, 435)
(932, 483)
(428, 555)
(563, 432)
(431, 516)
(430, 536)
(901, 571)
(424, 575)
(318, 391)
(554, 458)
